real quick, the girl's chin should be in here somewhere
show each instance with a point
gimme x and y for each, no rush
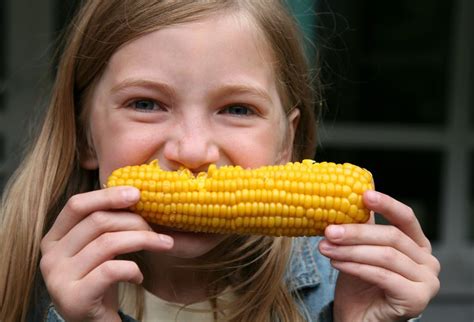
(189, 244)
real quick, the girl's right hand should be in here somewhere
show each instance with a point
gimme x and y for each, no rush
(78, 254)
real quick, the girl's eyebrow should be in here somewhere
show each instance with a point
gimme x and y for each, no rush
(235, 89)
(154, 85)
(220, 91)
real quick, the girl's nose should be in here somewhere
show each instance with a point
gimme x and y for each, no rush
(193, 147)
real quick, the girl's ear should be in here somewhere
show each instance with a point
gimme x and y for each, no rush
(88, 157)
(287, 152)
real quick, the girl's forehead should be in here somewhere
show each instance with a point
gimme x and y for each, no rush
(229, 46)
(226, 30)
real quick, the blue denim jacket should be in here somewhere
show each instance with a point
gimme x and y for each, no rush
(311, 278)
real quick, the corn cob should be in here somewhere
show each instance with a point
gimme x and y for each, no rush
(296, 199)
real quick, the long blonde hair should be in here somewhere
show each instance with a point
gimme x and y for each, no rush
(50, 172)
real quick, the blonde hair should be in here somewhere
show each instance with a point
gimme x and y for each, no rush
(50, 173)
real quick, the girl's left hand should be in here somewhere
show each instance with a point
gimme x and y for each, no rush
(387, 273)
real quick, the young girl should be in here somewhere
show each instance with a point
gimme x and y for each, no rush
(189, 83)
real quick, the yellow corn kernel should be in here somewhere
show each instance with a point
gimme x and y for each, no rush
(296, 199)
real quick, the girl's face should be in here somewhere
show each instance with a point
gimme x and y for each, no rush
(190, 95)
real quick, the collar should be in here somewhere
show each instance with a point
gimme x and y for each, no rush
(303, 270)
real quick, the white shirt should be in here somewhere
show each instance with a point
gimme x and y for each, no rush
(159, 310)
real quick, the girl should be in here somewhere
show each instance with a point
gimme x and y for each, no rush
(189, 83)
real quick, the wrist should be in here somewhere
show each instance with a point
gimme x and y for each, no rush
(344, 315)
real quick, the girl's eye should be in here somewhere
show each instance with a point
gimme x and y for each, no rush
(239, 110)
(145, 105)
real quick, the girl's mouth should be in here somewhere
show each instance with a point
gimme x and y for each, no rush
(174, 231)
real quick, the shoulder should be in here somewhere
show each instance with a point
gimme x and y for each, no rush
(308, 268)
(311, 278)
(39, 302)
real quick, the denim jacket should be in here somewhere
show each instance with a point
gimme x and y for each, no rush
(310, 276)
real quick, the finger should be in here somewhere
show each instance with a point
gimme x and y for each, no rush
(397, 214)
(108, 274)
(378, 235)
(81, 205)
(379, 256)
(97, 224)
(110, 245)
(411, 296)
(383, 278)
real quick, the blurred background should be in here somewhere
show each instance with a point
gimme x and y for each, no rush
(399, 83)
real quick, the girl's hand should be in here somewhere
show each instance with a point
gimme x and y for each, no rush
(78, 254)
(387, 273)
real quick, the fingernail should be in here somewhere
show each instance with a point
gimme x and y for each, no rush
(167, 240)
(372, 196)
(131, 194)
(335, 231)
(327, 246)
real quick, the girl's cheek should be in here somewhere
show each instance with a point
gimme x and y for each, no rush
(256, 149)
(121, 151)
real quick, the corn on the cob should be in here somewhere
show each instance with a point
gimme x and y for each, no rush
(296, 199)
